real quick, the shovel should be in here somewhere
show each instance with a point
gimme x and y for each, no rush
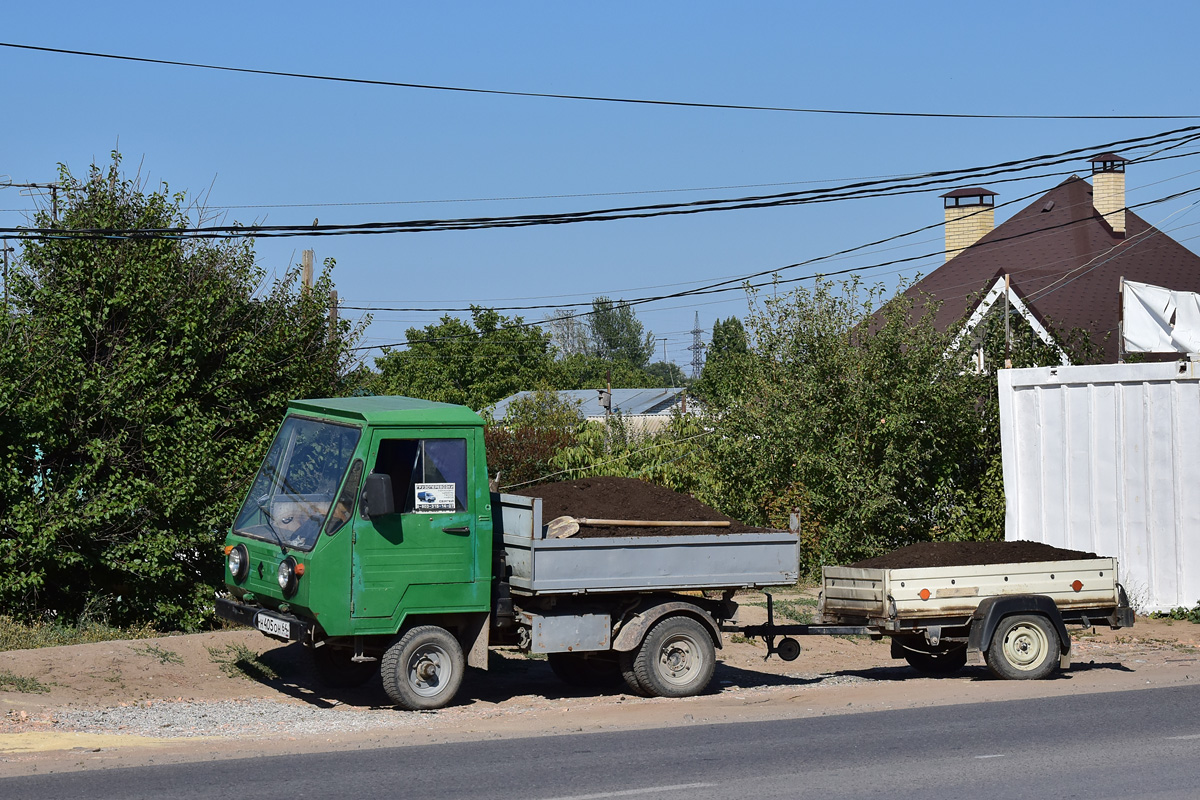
(562, 527)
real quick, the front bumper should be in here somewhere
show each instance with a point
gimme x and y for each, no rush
(297, 629)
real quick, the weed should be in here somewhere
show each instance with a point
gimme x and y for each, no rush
(163, 655)
(1181, 613)
(237, 660)
(737, 638)
(17, 635)
(798, 610)
(10, 682)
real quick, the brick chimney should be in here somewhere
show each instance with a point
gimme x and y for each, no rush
(1108, 190)
(970, 215)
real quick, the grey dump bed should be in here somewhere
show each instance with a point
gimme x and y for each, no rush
(637, 563)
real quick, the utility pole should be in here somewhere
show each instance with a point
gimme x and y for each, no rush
(5, 248)
(306, 269)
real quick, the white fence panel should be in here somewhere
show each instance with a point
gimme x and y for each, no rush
(1107, 459)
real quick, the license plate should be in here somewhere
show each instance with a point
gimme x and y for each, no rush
(273, 626)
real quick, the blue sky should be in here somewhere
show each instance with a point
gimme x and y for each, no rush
(270, 141)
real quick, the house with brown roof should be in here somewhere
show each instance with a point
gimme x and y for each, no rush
(1060, 260)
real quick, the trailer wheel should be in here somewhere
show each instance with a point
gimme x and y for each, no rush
(423, 669)
(1024, 647)
(676, 659)
(585, 670)
(336, 670)
(939, 663)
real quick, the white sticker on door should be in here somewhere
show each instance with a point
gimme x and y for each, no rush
(434, 497)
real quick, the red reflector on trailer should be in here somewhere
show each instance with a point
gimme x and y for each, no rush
(923, 594)
(1077, 585)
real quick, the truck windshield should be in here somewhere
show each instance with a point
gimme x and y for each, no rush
(297, 482)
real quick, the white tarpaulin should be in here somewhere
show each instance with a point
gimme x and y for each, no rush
(1158, 320)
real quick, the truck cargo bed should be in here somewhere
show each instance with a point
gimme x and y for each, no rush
(646, 563)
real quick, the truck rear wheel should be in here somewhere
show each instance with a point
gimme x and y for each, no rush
(676, 659)
(629, 673)
(336, 670)
(1024, 647)
(585, 670)
(423, 669)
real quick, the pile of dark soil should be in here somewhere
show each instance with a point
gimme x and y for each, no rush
(627, 498)
(965, 554)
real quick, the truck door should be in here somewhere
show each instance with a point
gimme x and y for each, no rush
(430, 540)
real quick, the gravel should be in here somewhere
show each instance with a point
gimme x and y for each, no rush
(175, 719)
(172, 719)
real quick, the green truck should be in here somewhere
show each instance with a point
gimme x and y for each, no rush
(371, 535)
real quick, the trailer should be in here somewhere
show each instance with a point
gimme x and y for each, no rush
(1014, 614)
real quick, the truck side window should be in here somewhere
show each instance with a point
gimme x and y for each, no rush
(345, 503)
(413, 461)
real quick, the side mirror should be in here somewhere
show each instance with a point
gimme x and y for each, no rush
(377, 496)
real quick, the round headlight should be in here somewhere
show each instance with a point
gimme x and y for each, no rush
(239, 563)
(287, 576)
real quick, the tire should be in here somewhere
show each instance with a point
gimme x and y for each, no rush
(937, 664)
(586, 670)
(423, 669)
(676, 659)
(625, 662)
(1024, 647)
(336, 670)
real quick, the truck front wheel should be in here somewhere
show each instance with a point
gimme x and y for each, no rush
(676, 659)
(1024, 647)
(423, 669)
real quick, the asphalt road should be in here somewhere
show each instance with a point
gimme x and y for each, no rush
(1139, 744)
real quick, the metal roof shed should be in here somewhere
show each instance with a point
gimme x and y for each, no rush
(1104, 458)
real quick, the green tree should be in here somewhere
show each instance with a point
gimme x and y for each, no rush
(726, 359)
(473, 363)
(862, 421)
(618, 335)
(591, 372)
(535, 428)
(143, 378)
(666, 374)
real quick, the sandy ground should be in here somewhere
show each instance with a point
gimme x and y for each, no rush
(518, 696)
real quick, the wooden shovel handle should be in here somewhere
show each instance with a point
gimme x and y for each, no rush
(654, 523)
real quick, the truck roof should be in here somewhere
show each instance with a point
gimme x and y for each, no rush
(389, 410)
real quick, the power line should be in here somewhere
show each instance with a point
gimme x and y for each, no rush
(721, 287)
(592, 98)
(859, 190)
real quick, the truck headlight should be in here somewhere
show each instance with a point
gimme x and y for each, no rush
(287, 576)
(239, 563)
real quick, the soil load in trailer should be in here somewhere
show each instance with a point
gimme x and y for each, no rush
(966, 554)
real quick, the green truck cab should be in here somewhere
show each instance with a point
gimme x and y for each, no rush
(368, 515)
(371, 535)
